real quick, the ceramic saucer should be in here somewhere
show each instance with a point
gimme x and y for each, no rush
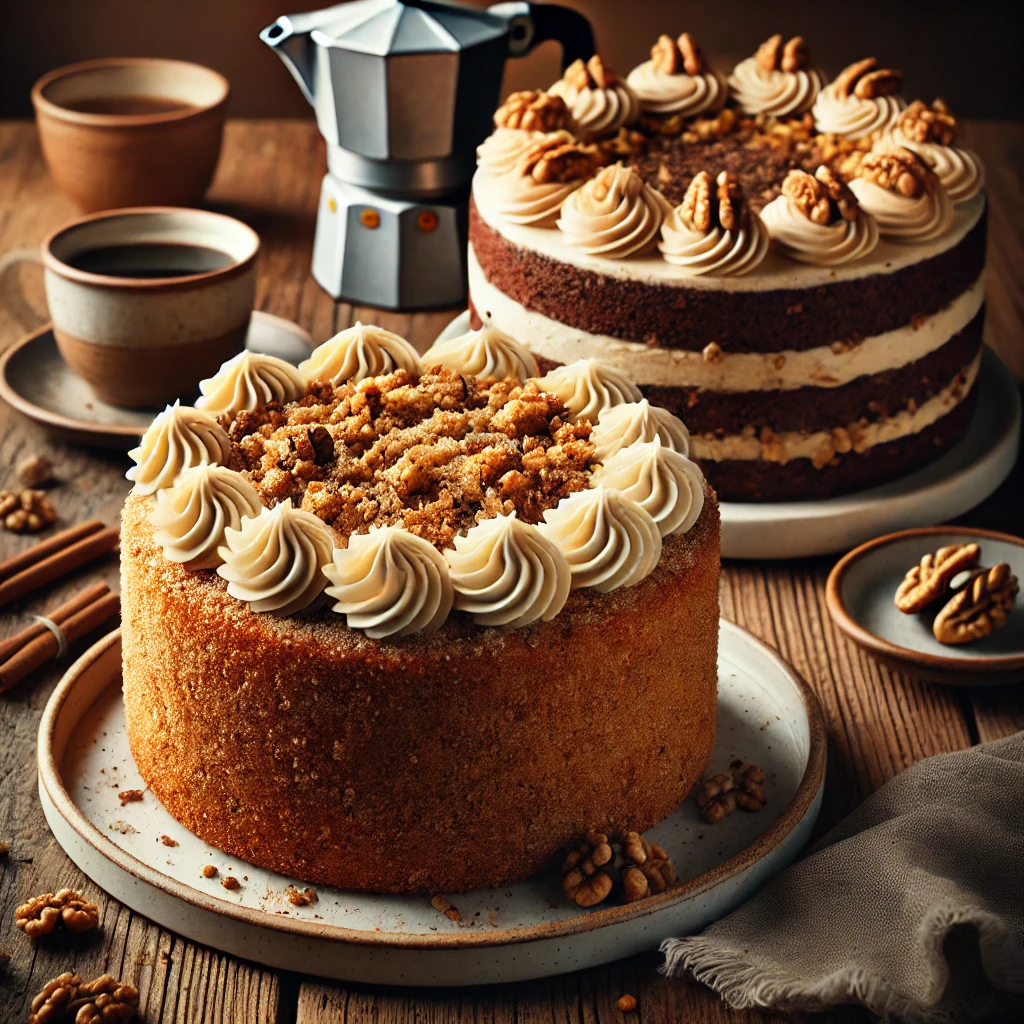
(860, 592)
(37, 382)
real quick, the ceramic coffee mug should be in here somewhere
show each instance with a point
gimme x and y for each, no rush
(147, 302)
(131, 131)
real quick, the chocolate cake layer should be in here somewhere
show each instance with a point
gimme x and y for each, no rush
(739, 321)
(819, 408)
(742, 480)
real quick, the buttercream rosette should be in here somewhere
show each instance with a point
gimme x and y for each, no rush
(487, 352)
(178, 438)
(589, 387)
(508, 573)
(275, 560)
(598, 100)
(664, 482)
(360, 351)
(608, 539)
(715, 252)
(500, 152)
(676, 83)
(191, 516)
(614, 215)
(248, 381)
(624, 425)
(390, 583)
(776, 81)
(861, 102)
(960, 171)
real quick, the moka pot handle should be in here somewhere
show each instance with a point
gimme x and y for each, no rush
(530, 24)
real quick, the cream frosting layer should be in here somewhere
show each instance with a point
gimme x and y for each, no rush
(589, 387)
(687, 95)
(906, 219)
(508, 573)
(599, 111)
(779, 93)
(825, 366)
(960, 172)
(519, 199)
(608, 539)
(390, 583)
(825, 245)
(248, 381)
(623, 425)
(360, 351)
(180, 437)
(190, 518)
(664, 482)
(488, 352)
(499, 153)
(715, 253)
(853, 117)
(275, 560)
(614, 214)
(821, 445)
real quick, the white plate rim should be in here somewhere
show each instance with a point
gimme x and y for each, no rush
(52, 788)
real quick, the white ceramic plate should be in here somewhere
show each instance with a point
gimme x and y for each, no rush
(35, 379)
(767, 715)
(946, 488)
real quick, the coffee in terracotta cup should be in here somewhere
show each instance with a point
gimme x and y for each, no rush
(147, 302)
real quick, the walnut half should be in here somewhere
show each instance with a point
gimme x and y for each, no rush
(559, 157)
(776, 55)
(674, 56)
(921, 123)
(979, 609)
(41, 914)
(627, 865)
(898, 170)
(533, 111)
(929, 579)
(867, 81)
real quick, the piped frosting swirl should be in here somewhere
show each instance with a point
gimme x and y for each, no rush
(608, 539)
(776, 80)
(589, 387)
(599, 102)
(487, 352)
(623, 425)
(614, 215)
(674, 82)
(360, 351)
(861, 101)
(390, 583)
(190, 518)
(275, 560)
(960, 172)
(825, 245)
(508, 573)
(664, 482)
(247, 381)
(180, 437)
(500, 152)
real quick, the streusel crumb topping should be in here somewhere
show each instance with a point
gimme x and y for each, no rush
(437, 453)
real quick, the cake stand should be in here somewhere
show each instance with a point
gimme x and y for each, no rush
(140, 855)
(944, 489)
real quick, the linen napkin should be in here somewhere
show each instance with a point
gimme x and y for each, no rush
(913, 906)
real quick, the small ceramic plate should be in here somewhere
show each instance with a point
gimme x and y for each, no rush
(860, 593)
(37, 382)
(946, 488)
(766, 715)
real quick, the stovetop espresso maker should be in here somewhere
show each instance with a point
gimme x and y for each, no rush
(404, 92)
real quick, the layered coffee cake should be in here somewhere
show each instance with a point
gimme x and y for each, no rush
(406, 624)
(795, 267)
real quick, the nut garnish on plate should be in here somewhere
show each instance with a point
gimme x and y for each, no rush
(533, 111)
(628, 866)
(921, 123)
(929, 579)
(41, 914)
(741, 786)
(867, 81)
(979, 609)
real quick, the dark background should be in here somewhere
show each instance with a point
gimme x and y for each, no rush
(970, 52)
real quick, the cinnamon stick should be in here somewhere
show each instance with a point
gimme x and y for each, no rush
(58, 615)
(58, 564)
(42, 648)
(39, 551)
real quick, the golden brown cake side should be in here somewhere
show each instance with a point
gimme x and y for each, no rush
(468, 758)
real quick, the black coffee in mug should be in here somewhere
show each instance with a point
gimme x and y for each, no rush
(150, 260)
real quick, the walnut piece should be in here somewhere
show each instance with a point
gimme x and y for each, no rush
(898, 170)
(209, 871)
(35, 470)
(696, 207)
(769, 53)
(731, 209)
(929, 579)
(674, 56)
(775, 55)
(559, 157)
(300, 897)
(53, 1001)
(795, 55)
(627, 865)
(27, 511)
(533, 111)
(105, 1000)
(866, 80)
(921, 123)
(741, 786)
(129, 796)
(41, 914)
(590, 75)
(979, 609)
(845, 202)
(231, 883)
(823, 198)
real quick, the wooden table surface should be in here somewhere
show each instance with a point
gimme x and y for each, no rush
(878, 721)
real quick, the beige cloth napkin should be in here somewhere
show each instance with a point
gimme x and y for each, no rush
(912, 906)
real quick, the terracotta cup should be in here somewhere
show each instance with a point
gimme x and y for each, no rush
(144, 341)
(131, 131)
